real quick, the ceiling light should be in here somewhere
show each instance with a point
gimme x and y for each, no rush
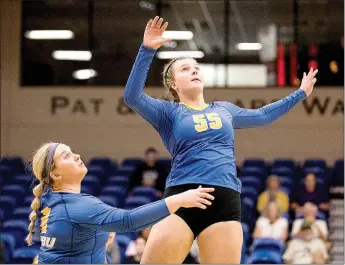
(72, 55)
(176, 54)
(49, 34)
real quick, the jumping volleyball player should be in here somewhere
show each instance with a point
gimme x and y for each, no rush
(200, 139)
(73, 226)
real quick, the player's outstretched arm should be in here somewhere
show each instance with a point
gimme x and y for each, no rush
(146, 106)
(246, 118)
(99, 216)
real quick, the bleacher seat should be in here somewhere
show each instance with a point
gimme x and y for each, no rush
(28, 200)
(264, 257)
(135, 201)
(317, 162)
(111, 200)
(25, 255)
(87, 190)
(124, 171)
(117, 192)
(270, 244)
(18, 228)
(254, 162)
(148, 192)
(123, 241)
(249, 192)
(98, 172)
(253, 171)
(166, 162)
(6, 175)
(21, 213)
(9, 242)
(118, 181)
(249, 181)
(283, 172)
(14, 190)
(281, 162)
(92, 182)
(338, 173)
(132, 161)
(105, 163)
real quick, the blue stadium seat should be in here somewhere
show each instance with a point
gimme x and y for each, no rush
(21, 213)
(14, 190)
(118, 192)
(92, 182)
(317, 162)
(87, 190)
(6, 174)
(148, 192)
(253, 171)
(246, 232)
(28, 200)
(166, 162)
(318, 171)
(338, 173)
(111, 200)
(281, 162)
(132, 161)
(270, 244)
(98, 172)
(23, 179)
(286, 190)
(118, 181)
(125, 171)
(25, 255)
(265, 257)
(9, 242)
(254, 162)
(286, 182)
(135, 201)
(105, 163)
(18, 228)
(249, 192)
(255, 182)
(17, 164)
(123, 241)
(283, 172)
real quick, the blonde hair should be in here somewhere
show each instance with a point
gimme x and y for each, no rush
(39, 166)
(168, 77)
(266, 210)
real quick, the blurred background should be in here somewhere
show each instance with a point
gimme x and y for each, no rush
(64, 65)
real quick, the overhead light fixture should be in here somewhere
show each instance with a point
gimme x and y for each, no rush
(249, 46)
(178, 35)
(170, 44)
(72, 55)
(49, 34)
(84, 74)
(176, 54)
(146, 5)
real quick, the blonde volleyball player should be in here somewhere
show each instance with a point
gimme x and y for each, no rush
(200, 139)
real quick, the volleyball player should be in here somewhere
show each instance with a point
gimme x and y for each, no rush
(200, 139)
(73, 226)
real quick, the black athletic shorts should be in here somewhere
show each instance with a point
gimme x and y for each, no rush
(226, 206)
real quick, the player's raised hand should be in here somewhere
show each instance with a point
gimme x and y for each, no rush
(153, 33)
(309, 81)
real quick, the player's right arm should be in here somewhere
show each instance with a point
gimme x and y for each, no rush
(94, 214)
(149, 108)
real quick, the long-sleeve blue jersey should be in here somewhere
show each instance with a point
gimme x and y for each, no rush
(74, 228)
(201, 142)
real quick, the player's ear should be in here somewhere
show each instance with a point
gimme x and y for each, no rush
(55, 176)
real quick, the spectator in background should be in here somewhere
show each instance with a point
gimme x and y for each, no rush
(306, 248)
(112, 250)
(271, 224)
(140, 243)
(150, 173)
(273, 193)
(319, 227)
(313, 193)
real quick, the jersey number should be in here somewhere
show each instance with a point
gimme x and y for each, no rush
(210, 120)
(44, 219)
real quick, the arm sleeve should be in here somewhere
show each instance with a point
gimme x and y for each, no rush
(296, 227)
(149, 108)
(247, 118)
(94, 214)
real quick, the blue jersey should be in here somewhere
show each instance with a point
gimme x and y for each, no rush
(201, 142)
(74, 228)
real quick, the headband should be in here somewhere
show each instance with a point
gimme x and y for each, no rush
(50, 158)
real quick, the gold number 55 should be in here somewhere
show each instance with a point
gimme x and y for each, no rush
(203, 122)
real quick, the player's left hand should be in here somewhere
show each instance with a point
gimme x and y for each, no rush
(309, 81)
